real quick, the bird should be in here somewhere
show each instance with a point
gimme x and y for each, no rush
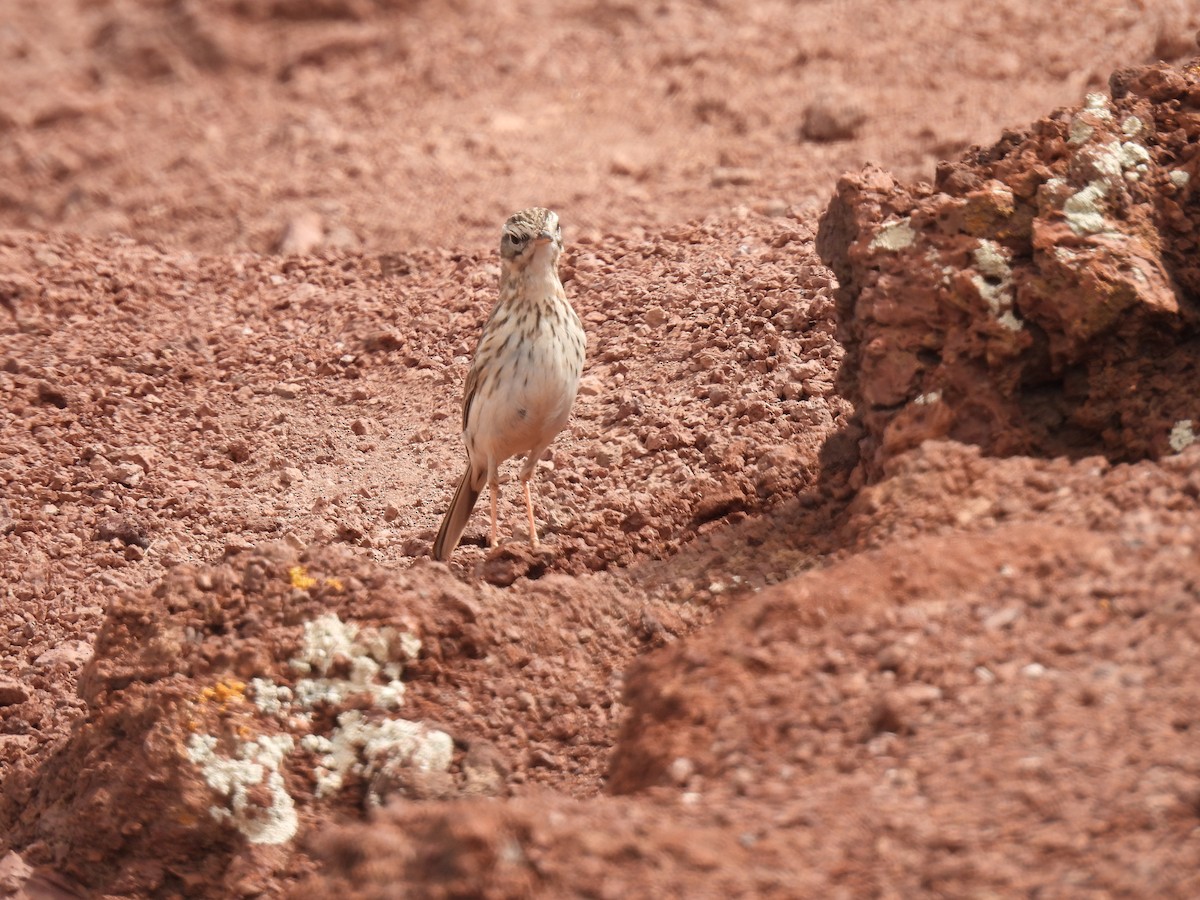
(524, 376)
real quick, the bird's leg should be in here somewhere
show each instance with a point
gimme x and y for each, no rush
(533, 538)
(527, 471)
(494, 496)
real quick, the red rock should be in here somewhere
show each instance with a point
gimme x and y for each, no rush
(1042, 293)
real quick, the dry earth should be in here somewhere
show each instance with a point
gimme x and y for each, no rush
(870, 563)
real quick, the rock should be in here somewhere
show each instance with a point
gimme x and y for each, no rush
(718, 503)
(341, 238)
(302, 235)
(733, 175)
(655, 316)
(127, 474)
(142, 456)
(286, 391)
(1014, 304)
(14, 872)
(484, 769)
(70, 655)
(123, 529)
(12, 692)
(832, 117)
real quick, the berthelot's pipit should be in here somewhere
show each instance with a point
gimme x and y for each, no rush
(525, 375)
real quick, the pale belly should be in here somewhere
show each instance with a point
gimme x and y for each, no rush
(540, 381)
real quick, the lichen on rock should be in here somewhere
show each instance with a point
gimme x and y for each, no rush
(1048, 289)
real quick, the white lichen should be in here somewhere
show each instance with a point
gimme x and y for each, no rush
(927, 399)
(271, 698)
(1010, 320)
(1133, 155)
(366, 654)
(257, 763)
(1179, 178)
(1108, 163)
(362, 748)
(339, 659)
(1080, 131)
(1182, 435)
(1083, 210)
(1131, 126)
(1106, 160)
(894, 236)
(994, 283)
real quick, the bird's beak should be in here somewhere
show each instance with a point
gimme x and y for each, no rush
(544, 238)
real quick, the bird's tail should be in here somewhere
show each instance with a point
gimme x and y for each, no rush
(457, 515)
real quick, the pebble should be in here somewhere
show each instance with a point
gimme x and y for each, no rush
(286, 391)
(1002, 618)
(70, 654)
(832, 117)
(12, 692)
(733, 175)
(127, 474)
(655, 316)
(303, 234)
(680, 770)
(14, 872)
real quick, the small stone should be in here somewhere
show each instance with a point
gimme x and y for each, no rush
(656, 316)
(774, 207)
(832, 117)
(141, 456)
(127, 474)
(12, 692)
(69, 655)
(542, 759)
(302, 235)
(1002, 618)
(238, 451)
(590, 386)
(286, 391)
(681, 770)
(14, 872)
(290, 475)
(360, 427)
(921, 693)
(732, 175)
(484, 770)
(891, 657)
(341, 238)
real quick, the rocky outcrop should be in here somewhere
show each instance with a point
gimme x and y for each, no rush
(1043, 295)
(226, 708)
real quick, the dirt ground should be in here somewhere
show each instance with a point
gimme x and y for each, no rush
(870, 552)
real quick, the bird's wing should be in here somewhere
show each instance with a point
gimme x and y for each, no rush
(469, 394)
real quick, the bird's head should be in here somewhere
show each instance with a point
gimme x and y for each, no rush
(531, 237)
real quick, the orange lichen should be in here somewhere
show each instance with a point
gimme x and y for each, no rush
(224, 692)
(300, 578)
